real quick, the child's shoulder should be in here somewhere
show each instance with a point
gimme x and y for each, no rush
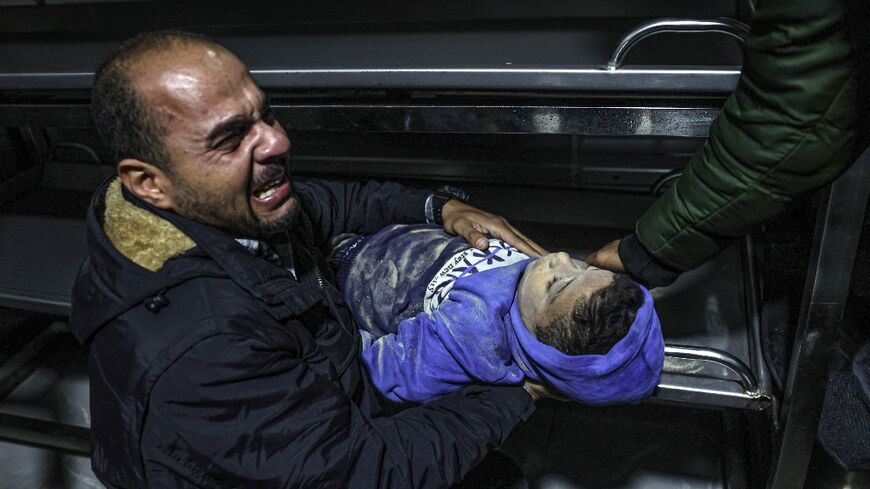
(478, 272)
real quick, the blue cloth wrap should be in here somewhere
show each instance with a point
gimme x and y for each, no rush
(629, 372)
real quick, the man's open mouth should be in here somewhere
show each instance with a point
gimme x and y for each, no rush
(273, 192)
(269, 188)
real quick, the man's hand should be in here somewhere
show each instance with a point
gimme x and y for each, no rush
(474, 224)
(607, 257)
(540, 391)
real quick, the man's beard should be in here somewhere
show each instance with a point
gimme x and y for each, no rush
(265, 230)
(199, 206)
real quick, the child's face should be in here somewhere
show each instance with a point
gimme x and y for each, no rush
(552, 285)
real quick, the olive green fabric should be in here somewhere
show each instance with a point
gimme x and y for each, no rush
(789, 127)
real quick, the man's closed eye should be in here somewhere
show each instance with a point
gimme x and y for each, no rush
(231, 142)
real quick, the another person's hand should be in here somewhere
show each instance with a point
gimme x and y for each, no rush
(475, 225)
(607, 257)
(540, 391)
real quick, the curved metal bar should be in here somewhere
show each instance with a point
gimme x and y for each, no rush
(79, 146)
(664, 183)
(725, 359)
(45, 434)
(751, 6)
(20, 365)
(731, 27)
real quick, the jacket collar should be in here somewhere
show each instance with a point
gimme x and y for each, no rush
(153, 236)
(143, 237)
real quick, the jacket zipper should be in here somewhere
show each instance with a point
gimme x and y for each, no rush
(319, 278)
(340, 370)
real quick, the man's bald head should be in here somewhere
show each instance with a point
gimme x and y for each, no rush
(124, 117)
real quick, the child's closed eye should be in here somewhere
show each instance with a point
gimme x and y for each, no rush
(550, 283)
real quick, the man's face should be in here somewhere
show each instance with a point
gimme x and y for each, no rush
(552, 285)
(229, 156)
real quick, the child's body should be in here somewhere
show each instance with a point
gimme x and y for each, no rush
(436, 315)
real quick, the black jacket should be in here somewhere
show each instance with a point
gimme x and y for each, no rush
(211, 367)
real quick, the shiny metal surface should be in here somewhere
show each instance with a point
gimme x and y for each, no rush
(721, 79)
(139, 16)
(725, 359)
(582, 121)
(44, 420)
(706, 308)
(588, 79)
(708, 322)
(47, 434)
(41, 403)
(838, 229)
(751, 283)
(730, 27)
(485, 119)
(699, 392)
(20, 365)
(540, 56)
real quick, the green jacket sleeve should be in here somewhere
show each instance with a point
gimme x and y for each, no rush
(789, 127)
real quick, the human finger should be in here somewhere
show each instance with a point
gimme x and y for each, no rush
(607, 257)
(539, 391)
(506, 232)
(478, 240)
(540, 250)
(474, 234)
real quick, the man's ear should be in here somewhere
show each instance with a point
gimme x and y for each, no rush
(147, 182)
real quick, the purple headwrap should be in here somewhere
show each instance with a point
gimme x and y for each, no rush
(627, 373)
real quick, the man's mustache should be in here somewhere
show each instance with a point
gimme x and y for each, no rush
(271, 173)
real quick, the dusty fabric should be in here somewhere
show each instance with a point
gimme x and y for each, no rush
(475, 334)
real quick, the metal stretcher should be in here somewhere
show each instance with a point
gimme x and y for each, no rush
(364, 119)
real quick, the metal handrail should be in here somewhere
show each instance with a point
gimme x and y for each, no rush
(20, 365)
(841, 212)
(719, 357)
(664, 183)
(46, 434)
(731, 27)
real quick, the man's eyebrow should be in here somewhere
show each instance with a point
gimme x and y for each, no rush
(237, 123)
(231, 125)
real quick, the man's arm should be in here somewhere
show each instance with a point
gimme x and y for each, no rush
(429, 356)
(356, 207)
(788, 128)
(234, 412)
(363, 208)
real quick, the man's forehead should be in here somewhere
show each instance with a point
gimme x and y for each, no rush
(194, 61)
(193, 79)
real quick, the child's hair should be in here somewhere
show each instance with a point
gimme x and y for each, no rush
(596, 322)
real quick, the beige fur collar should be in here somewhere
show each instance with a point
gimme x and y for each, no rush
(145, 238)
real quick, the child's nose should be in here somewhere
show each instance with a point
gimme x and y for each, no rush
(561, 259)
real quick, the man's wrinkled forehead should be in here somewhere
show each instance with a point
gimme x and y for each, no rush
(188, 76)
